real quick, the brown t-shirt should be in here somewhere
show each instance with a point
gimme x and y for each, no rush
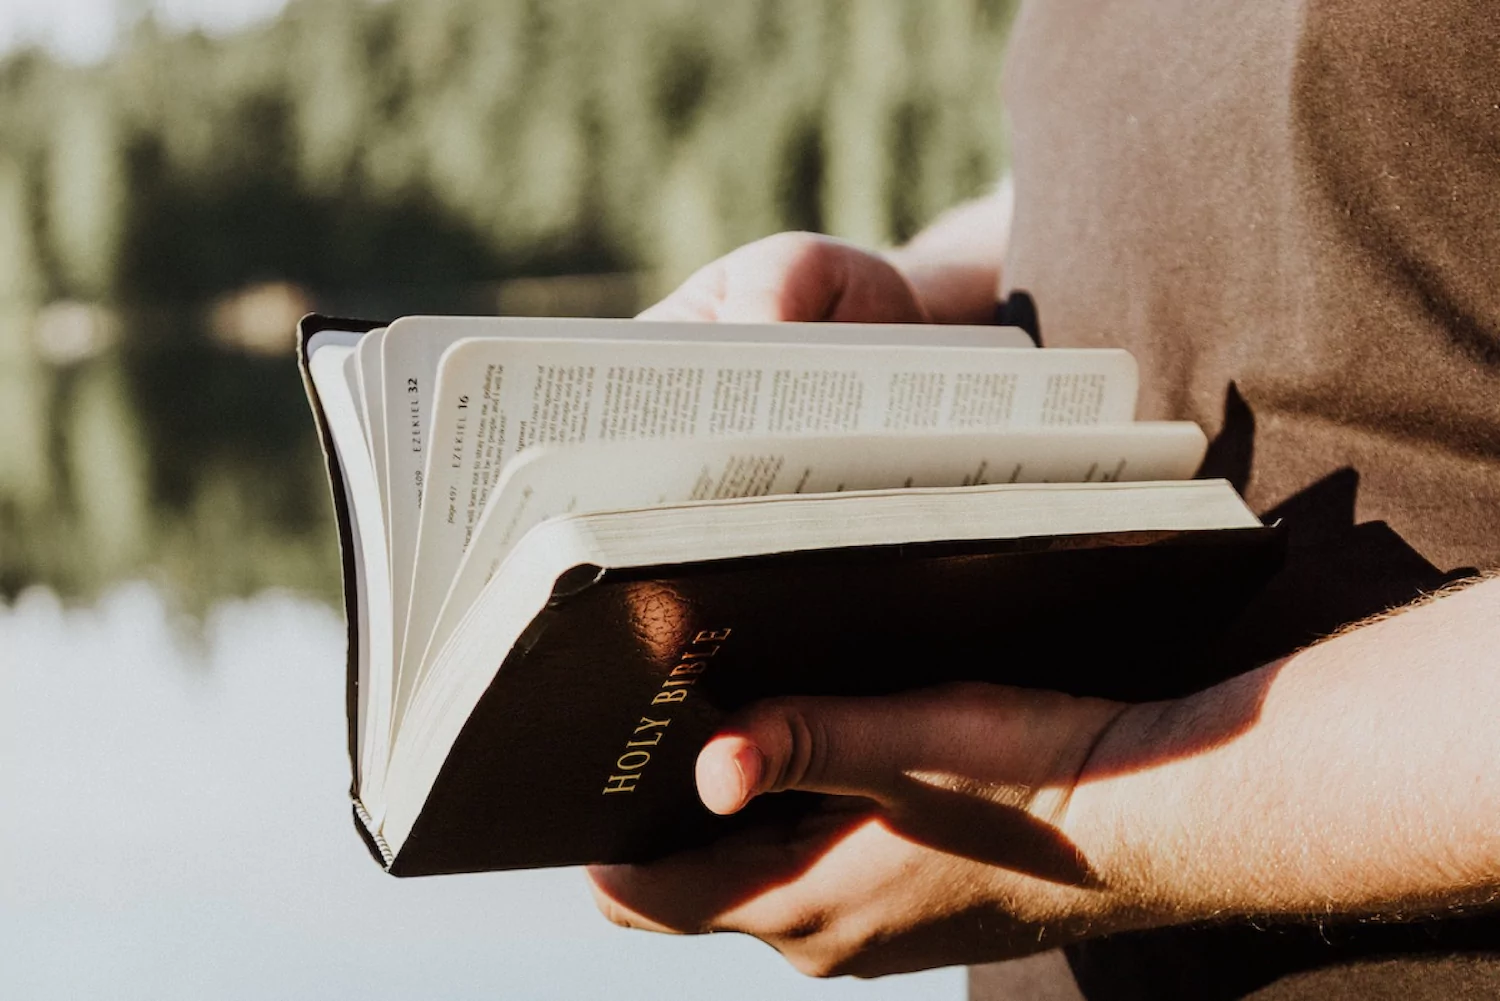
(1290, 213)
(1301, 199)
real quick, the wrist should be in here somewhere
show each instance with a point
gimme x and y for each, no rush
(1112, 825)
(1077, 797)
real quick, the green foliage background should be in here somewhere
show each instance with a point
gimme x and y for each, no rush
(388, 156)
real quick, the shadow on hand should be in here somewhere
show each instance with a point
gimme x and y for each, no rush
(689, 890)
(1336, 572)
(965, 820)
(788, 834)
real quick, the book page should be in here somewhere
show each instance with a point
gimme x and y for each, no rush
(573, 479)
(410, 349)
(349, 370)
(372, 389)
(499, 397)
(328, 355)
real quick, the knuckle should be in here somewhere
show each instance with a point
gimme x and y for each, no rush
(792, 240)
(822, 942)
(803, 250)
(805, 739)
(790, 930)
(804, 924)
(824, 960)
(614, 913)
(813, 964)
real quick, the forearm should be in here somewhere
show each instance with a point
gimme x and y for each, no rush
(954, 264)
(1358, 777)
(972, 822)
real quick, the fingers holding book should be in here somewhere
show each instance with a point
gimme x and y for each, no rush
(944, 835)
(795, 277)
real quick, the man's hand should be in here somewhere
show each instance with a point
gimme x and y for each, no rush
(795, 277)
(1356, 778)
(948, 273)
(946, 835)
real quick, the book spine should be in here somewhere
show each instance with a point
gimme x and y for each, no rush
(371, 833)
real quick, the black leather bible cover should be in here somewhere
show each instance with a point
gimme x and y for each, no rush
(582, 748)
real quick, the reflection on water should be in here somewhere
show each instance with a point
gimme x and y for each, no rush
(174, 820)
(171, 808)
(174, 825)
(175, 444)
(162, 214)
(193, 466)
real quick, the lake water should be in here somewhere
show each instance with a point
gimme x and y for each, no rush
(174, 824)
(174, 819)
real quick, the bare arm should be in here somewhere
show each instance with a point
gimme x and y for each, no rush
(1361, 776)
(1355, 778)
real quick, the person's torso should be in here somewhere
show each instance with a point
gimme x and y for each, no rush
(1298, 199)
(1290, 214)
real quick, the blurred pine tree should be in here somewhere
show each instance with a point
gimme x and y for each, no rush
(402, 155)
(527, 136)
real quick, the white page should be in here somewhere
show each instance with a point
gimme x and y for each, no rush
(498, 397)
(327, 356)
(411, 347)
(367, 358)
(349, 369)
(549, 480)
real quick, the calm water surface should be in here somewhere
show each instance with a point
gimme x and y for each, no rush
(173, 824)
(174, 821)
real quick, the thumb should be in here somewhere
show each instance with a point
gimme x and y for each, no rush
(842, 746)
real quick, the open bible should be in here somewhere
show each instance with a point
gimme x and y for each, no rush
(572, 546)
